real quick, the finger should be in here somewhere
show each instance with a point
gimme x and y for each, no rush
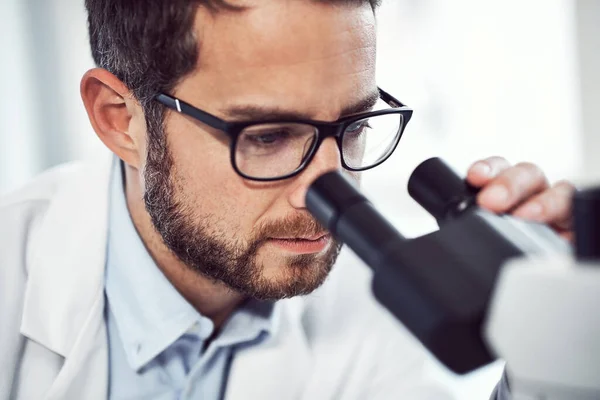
(553, 206)
(511, 187)
(481, 172)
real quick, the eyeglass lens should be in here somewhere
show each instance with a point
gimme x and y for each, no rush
(268, 151)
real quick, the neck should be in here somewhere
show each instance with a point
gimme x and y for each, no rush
(212, 299)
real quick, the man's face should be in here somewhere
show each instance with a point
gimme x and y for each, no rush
(298, 58)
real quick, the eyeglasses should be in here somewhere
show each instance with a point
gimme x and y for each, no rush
(279, 149)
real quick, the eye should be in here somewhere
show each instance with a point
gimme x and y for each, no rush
(267, 137)
(358, 127)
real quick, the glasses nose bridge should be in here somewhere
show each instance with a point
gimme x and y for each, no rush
(334, 130)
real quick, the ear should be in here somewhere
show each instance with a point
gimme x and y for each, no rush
(111, 108)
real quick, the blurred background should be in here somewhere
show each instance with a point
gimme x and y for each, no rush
(512, 78)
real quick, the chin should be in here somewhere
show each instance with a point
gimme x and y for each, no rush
(297, 276)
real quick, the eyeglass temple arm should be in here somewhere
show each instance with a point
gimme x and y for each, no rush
(388, 98)
(184, 108)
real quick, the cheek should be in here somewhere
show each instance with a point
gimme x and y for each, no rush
(208, 185)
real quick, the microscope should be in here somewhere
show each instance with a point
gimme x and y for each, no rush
(483, 286)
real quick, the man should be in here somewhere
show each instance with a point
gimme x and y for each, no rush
(174, 267)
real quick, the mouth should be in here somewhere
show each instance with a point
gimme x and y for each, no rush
(303, 245)
(309, 238)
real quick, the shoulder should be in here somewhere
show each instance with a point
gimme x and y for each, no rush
(22, 212)
(51, 186)
(40, 190)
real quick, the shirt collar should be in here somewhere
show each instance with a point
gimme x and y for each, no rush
(150, 313)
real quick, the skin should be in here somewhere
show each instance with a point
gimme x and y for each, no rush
(524, 191)
(297, 57)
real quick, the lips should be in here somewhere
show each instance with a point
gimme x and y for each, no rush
(307, 238)
(303, 245)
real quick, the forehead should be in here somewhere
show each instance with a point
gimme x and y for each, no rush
(303, 53)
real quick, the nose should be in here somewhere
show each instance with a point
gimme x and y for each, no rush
(326, 159)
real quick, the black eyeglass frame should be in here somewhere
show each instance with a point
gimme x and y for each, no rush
(324, 130)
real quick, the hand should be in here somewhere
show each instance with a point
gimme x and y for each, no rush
(523, 190)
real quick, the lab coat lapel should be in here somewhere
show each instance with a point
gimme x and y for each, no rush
(64, 297)
(277, 369)
(84, 374)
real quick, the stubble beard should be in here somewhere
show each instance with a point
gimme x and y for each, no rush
(214, 254)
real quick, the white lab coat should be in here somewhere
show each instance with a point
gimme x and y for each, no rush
(336, 343)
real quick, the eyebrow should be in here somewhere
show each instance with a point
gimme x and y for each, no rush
(258, 113)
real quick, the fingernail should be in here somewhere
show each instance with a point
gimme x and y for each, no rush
(531, 210)
(481, 168)
(495, 195)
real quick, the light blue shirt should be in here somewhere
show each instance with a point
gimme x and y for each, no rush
(156, 338)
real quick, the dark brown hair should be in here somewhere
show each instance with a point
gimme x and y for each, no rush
(150, 44)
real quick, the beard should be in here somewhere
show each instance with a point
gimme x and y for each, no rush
(215, 254)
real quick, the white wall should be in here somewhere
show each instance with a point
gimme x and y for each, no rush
(42, 120)
(588, 33)
(17, 126)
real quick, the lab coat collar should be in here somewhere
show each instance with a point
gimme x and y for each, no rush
(64, 297)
